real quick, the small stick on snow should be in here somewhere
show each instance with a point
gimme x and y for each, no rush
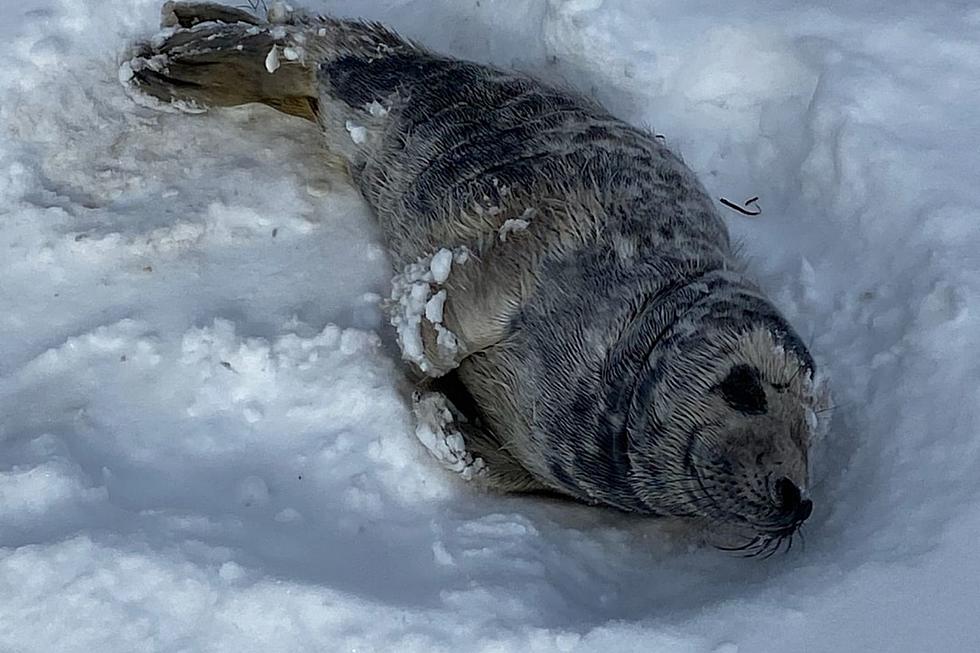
(756, 210)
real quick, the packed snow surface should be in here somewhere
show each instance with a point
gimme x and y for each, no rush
(206, 438)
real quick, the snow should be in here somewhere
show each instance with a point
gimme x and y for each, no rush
(441, 264)
(513, 225)
(434, 307)
(358, 133)
(272, 59)
(206, 436)
(278, 12)
(377, 109)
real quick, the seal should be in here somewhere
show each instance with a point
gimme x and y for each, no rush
(565, 289)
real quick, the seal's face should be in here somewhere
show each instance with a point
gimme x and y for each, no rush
(729, 443)
(751, 469)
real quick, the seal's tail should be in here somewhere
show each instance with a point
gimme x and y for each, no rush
(214, 55)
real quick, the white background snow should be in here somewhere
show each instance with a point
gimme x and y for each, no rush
(204, 437)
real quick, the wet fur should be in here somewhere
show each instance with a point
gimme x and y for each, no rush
(594, 345)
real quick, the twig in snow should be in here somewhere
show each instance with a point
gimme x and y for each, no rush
(755, 210)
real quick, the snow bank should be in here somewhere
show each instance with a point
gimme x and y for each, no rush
(205, 437)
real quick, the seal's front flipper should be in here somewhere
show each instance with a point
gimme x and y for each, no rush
(437, 427)
(417, 309)
(457, 438)
(453, 304)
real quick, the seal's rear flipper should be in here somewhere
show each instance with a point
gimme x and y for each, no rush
(213, 55)
(189, 14)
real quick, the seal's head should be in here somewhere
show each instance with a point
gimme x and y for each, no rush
(724, 435)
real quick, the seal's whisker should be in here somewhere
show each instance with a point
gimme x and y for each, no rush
(772, 547)
(748, 545)
(758, 549)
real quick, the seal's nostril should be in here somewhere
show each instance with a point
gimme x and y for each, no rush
(788, 495)
(803, 512)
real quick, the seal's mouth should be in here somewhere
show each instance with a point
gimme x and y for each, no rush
(767, 543)
(775, 529)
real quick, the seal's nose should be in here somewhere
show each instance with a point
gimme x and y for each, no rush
(791, 502)
(803, 512)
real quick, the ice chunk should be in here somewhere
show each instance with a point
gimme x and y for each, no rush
(433, 308)
(272, 59)
(510, 226)
(377, 109)
(358, 134)
(441, 265)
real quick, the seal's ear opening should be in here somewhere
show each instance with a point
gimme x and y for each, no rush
(742, 390)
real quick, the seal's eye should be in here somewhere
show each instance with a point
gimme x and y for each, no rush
(742, 390)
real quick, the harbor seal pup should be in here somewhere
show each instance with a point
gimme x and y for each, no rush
(563, 279)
